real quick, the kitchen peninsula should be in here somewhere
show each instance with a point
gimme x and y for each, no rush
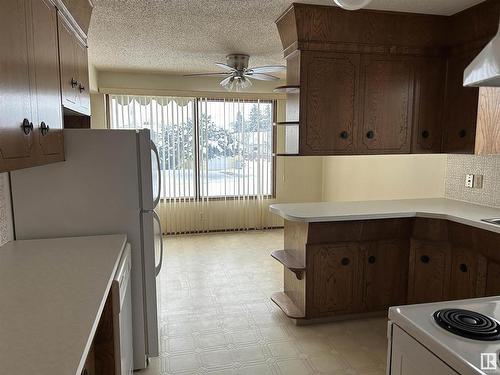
(55, 315)
(351, 258)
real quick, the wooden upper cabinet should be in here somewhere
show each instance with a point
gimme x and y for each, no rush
(46, 64)
(329, 108)
(488, 122)
(74, 69)
(387, 104)
(386, 274)
(31, 90)
(430, 81)
(337, 278)
(16, 148)
(460, 107)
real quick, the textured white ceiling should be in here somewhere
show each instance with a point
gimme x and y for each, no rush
(186, 36)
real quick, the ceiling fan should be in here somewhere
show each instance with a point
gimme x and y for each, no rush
(238, 75)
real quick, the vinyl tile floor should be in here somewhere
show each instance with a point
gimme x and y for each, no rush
(215, 315)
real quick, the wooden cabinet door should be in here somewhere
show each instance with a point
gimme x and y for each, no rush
(493, 279)
(329, 100)
(460, 107)
(16, 148)
(48, 93)
(83, 77)
(429, 102)
(429, 271)
(386, 274)
(337, 278)
(68, 64)
(387, 104)
(468, 274)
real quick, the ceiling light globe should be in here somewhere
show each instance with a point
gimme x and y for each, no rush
(352, 4)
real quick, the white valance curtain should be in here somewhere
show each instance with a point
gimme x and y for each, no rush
(216, 159)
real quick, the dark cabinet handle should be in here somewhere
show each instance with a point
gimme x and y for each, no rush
(74, 82)
(463, 267)
(345, 261)
(425, 259)
(81, 87)
(27, 126)
(370, 134)
(372, 259)
(462, 133)
(344, 135)
(44, 128)
(425, 134)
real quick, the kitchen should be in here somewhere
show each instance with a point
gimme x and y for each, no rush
(263, 215)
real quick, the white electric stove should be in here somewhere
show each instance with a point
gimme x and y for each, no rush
(457, 337)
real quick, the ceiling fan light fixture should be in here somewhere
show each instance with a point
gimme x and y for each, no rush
(352, 4)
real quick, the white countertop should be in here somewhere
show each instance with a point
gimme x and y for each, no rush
(438, 208)
(52, 293)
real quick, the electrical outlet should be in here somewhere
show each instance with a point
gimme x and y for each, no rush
(469, 180)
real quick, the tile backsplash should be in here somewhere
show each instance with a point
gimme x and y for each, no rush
(460, 165)
(5, 211)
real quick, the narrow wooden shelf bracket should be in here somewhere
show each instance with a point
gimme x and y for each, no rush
(287, 306)
(290, 262)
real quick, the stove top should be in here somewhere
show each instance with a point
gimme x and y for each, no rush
(469, 324)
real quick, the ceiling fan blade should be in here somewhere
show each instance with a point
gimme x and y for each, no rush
(226, 67)
(205, 74)
(262, 76)
(268, 69)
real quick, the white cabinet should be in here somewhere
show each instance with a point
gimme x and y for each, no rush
(409, 357)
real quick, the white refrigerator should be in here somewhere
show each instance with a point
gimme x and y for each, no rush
(109, 183)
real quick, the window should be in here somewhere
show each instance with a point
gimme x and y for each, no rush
(209, 148)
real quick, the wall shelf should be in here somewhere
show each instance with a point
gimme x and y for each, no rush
(287, 306)
(287, 123)
(290, 89)
(290, 262)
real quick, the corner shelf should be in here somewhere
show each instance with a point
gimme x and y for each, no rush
(290, 262)
(287, 306)
(290, 89)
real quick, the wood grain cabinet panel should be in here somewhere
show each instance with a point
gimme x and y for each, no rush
(386, 274)
(429, 271)
(428, 105)
(337, 277)
(387, 104)
(68, 63)
(468, 274)
(461, 107)
(488, 122)
(48, 99)
(329, 110)
(16, 149)
(82, 62)
(493, 279)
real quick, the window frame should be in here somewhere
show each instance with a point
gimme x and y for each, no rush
(197, 170)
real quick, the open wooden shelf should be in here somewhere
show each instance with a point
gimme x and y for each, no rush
(287, 123)
(290, 262)
(290, 89)
(287, 305)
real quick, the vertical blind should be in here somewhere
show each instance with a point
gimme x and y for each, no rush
(217, 162)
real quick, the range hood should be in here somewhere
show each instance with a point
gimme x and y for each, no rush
(484, 70)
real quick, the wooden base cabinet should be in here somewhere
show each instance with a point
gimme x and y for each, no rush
(31, 116)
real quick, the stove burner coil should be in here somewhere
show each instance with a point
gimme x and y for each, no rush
(468, 324)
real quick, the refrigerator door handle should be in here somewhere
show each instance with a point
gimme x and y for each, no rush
(155, 150)
(158, 267)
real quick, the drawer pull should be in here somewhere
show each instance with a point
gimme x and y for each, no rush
(462, 133)
(44, 128)
(345, 261)
(372, 259)
(370, 134)
(73, 82)
(463, 267)
(344, 135)
(81, 88)
(425, 259)
(425, 134)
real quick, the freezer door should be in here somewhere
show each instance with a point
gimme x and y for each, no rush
(149, 275)
(150, 170)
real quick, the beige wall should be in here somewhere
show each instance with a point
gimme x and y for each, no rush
(352, 178)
